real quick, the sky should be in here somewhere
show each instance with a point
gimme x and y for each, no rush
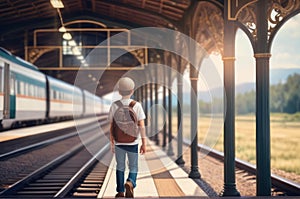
(285, 52)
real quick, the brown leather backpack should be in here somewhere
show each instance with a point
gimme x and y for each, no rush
(124, 126)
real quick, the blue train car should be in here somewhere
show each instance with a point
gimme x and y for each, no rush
(28, 97)
(65, 100)
(22, 91)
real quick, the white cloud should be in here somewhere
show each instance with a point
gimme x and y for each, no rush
(285, 47)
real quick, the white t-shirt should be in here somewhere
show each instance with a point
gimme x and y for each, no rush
(138, 109)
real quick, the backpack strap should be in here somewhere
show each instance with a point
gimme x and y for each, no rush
(132, 103)
(119, 103)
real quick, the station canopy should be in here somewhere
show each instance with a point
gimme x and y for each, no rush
(36, 31)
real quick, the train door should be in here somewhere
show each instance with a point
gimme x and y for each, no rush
(12, 96)
(9, 109)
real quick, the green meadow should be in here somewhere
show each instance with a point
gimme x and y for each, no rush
(285, 138)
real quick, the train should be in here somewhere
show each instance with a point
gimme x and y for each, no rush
(29, 97)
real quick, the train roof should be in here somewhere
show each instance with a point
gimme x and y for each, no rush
(17, 60)
(61, 85)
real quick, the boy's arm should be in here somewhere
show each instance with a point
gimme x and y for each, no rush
(112, 141)
(143, 136)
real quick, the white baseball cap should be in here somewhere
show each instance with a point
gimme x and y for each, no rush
(125, 84)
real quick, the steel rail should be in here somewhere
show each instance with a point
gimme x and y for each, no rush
(70, 184)
(46, 142)
(39, 172)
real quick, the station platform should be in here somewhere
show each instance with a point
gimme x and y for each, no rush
(158, 176)
(29, 131)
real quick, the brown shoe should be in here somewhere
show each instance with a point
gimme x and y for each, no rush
(120, 195)
(129, 189)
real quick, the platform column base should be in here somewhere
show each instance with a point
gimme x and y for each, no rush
(180, 161)
(194, 174)
(230, 190)
(170, 150)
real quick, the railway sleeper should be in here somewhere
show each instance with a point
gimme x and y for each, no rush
(85, 195)
(83, 189)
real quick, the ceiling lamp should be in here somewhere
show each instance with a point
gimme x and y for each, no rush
(72, 43)
(67, 36)
(57, 3)
(80, 57)
(76, 51)
(62, 29)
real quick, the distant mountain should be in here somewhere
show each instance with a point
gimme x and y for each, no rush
(245, 87)
(218, 92)
(276, 76)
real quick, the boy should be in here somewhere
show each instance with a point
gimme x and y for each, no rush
(126, 89)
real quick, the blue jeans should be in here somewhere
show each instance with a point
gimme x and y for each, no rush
(132, 154)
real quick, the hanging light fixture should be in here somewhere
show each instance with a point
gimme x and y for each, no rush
(62, 29)
(57, 3)
(67, 36)
(72, 43)
(76, 51)
(80, 57)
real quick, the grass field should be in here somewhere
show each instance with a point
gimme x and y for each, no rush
(285, 138)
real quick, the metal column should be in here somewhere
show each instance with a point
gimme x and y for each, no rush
(156, 113)
(194, 173)
(164, 144)
(146, 105)
(263, 173)
(151, 112)
(179, 160)
(170, 137)
(229, 114)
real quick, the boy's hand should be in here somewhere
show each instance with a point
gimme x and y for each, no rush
(112, 148)
(143, 149)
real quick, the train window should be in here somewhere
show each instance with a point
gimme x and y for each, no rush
(34, 90)
(21, 87)
(39, 92)
(12, 84)
(30, 89)
(25, 88)
(43, 92)
(54, 94)
(16, 86)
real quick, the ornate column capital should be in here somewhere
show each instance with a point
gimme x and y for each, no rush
(262, 55)
(225, 58)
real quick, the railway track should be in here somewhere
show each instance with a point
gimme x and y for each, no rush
(280, 186)
(68, 175)
(87, 128)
